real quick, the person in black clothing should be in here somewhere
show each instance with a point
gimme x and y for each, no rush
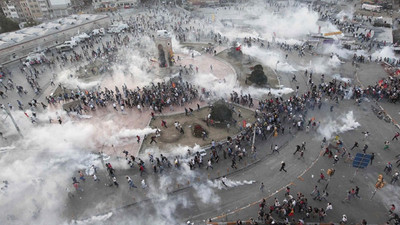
(355, 145)
(372, 158)
(283, 166)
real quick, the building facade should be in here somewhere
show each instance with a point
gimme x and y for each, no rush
(39, 10)
(10, 10)
(113, 3)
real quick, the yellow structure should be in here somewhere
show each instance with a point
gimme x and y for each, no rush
(333, 33)
(380, 183)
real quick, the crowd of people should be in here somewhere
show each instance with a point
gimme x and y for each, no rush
(273, 116)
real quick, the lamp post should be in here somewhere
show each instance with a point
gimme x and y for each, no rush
(7, 111)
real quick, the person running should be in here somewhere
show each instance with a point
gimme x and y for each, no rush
(114, 179)
(275, 149)
(130, 182)
(297, 149)
(396, 136)
(283, 164)
(153, 139)
(355, 145)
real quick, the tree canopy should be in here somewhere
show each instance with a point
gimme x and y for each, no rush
(221, 112)
(7, 25)
(258, 76)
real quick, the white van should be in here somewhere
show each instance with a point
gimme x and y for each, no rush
(98, 32)
(71, 43)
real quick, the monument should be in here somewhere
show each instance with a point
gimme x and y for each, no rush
(164, 47)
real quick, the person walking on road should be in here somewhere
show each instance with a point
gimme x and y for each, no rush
(365, 148)
(262, 187)
(321, 177)
(395, 177)
(81, 176)
(95, 178)
(329, 207)
(357, 190)
(283, 164)
(348, 197)
(372, 158)
(301, 154)
(314, 191)
(335, 159)
(386, 145)
(209, 165)
(276, 149)
(114, 179)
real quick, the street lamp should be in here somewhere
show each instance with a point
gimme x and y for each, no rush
(7, 111)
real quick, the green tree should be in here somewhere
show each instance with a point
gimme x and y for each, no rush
(221, 112)
(257, 76)
(7, 25)
(31, 22)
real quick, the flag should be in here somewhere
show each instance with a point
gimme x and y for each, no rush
(291, 213)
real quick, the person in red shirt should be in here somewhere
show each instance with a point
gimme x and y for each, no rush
(321, 177)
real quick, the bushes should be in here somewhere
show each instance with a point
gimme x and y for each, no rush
(221, 112)
(257, 76)
(198, 130)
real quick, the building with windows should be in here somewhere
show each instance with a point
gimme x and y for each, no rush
(99, 4)
(39, 10)
(10, 10)
(60, 8)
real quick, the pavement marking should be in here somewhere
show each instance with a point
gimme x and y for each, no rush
(390, 117)
(269, 196)
(253, 203)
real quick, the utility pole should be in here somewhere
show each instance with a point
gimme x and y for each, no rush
(254, 136)
(358, 167)
(7, 111)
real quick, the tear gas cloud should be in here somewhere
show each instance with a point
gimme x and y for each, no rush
(289, 23)
(343, 123)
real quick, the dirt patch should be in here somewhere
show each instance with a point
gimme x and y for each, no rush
(243, 69)
(170, 136)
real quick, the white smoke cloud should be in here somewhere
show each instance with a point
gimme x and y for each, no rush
(345, 122)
